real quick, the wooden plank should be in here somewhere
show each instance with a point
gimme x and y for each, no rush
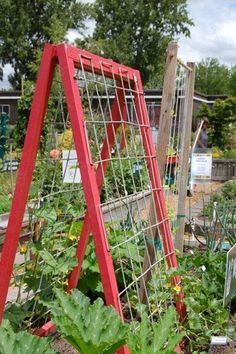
(161, 150)
(184, 158)
(166, 103)
(223, 169)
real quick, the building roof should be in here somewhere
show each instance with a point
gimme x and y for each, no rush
(10, 95)
(149, 94)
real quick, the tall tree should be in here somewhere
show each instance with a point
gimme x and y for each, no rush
(136, 33)
(25, 25)
(232, 81)
(222, 118)
(212, 77)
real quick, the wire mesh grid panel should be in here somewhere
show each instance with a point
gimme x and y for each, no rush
(126, 193)
(175, 145)
(95, 175)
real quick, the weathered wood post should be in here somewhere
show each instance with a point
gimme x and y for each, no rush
(161, 150)
(184, 157)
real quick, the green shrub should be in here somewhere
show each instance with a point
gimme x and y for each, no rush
(203, 276)
(230, 154)
(229, 190)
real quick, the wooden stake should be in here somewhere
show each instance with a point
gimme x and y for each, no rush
(161, 150)
(184, 158)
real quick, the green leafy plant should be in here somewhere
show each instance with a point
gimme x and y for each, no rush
(222, 119)
(203, 275)
(52, 258)
(229, 190)
(209, 207)
(94, 329)
(90, 281)
(161, 338)
(122, 176)
(5, 203)
(15, 314)
(229, 154)
(220, 217)
(6, 191)
(22, 342)
(56, 252)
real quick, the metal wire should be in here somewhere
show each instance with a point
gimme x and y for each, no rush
(175, 144)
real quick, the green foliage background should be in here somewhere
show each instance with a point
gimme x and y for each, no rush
(222, 119)
(136, 33)
(215, 78)
(25, 27)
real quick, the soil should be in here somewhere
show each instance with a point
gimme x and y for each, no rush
(62, 347)
(230, 349)
(201, 190)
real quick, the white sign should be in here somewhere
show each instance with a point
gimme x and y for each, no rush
(70, 169)
(230, 278)
(201, 166)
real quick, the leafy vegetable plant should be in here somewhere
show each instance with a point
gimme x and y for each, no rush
(22, 342)
(203, 275)
(150, 338)
(93, 329)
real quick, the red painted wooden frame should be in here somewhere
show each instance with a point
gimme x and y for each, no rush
(68, 59)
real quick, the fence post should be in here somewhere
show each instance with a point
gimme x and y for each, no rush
(184, 158)
(166, 104)
(161, 150)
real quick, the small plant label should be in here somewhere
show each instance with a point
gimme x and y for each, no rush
(219, 340)
(70, 168)
(230, 279)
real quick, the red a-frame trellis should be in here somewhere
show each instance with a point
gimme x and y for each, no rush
(68, 59)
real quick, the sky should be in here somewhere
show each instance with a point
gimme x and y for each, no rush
(214, 33)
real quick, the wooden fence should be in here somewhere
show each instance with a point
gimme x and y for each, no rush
(223, 169)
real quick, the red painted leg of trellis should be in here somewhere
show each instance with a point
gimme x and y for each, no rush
(157, 190)
(26, 171)
(101, 170)
(89, 182)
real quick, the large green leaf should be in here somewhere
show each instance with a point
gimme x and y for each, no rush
(152, 338)
(93, 329)
(165, 336)
(22, 342)
(15, 314)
